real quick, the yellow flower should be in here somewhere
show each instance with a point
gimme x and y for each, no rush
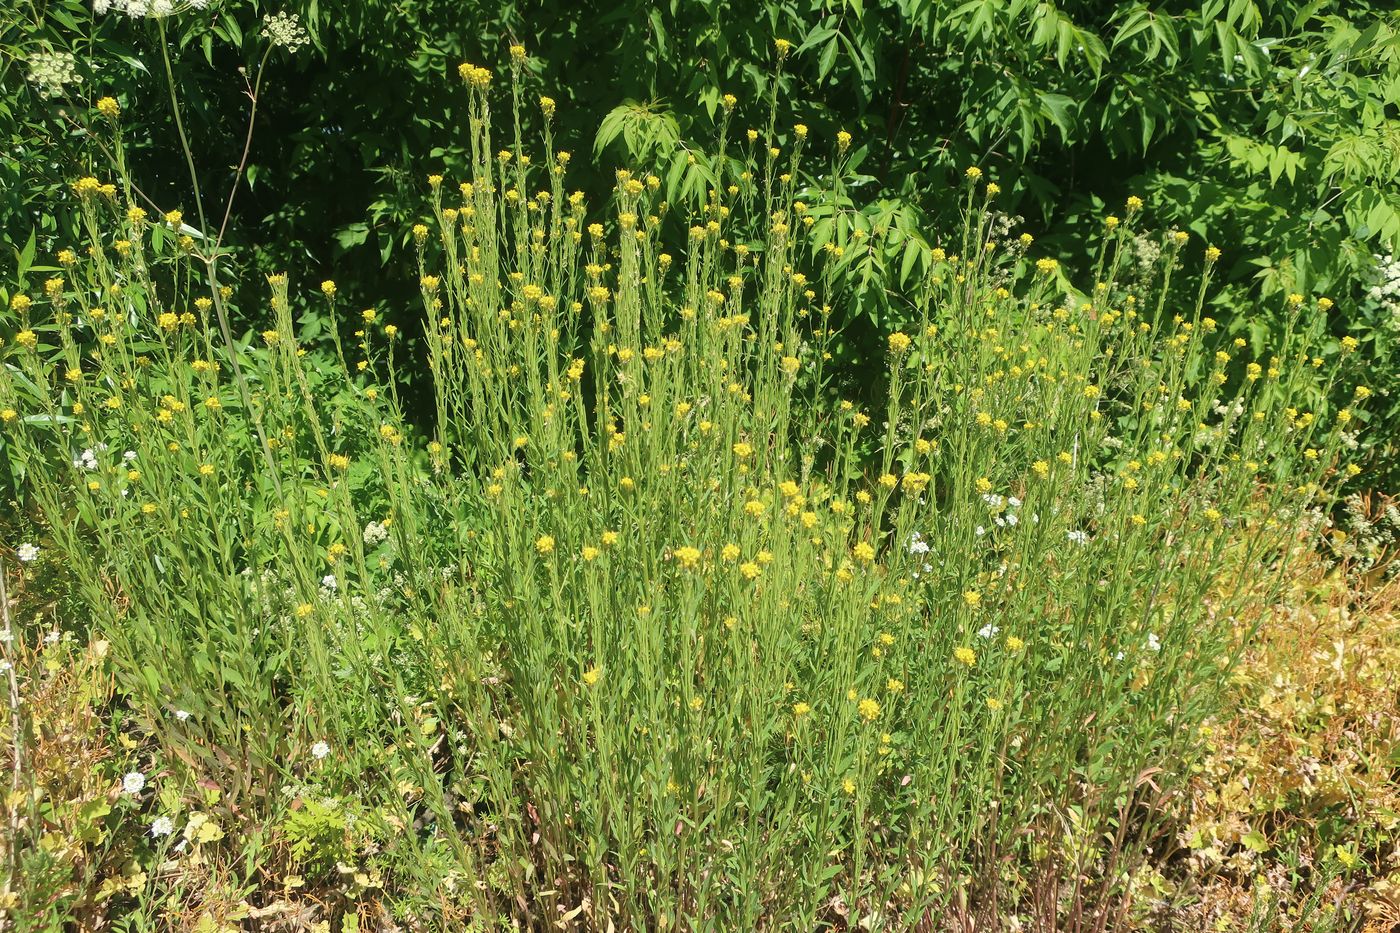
(863, 552)
(801, 709)
(965, 656)
(750, 570)
(544, 544)
(588, 552)
(894, 685)
(973, 173)
(687, 556)
(899, 342)
(609, 538)
(1041, 468)
(849, 786)
(108, 107)
(742, 450)
(730, 552)
(328, 288)
(87, 186)
(972, 598)
(755, 508)
(1014, 644)
(27, 338)
(868, 709)
(590, 676)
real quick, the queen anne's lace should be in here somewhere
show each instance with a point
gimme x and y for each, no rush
(139, 9)
(51, 72)
(285, 30)
(1386, 289)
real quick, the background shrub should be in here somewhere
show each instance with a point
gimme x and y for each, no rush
(1269, 127)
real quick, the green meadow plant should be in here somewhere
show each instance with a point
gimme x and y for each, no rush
(647, 630)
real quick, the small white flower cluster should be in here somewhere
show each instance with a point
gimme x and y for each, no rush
(1004, 512)
(919, 547)
(51, 72)
(284, 30)
(1386, 290)
(27, 552)
(141, 9)
(375, 533)
(87, 460)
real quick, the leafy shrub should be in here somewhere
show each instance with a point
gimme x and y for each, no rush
(647, 629)
(1269, 126)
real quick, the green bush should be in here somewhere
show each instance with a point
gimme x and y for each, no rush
(646, 626)
(1268, 127)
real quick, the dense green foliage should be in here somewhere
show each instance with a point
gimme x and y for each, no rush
(777, 468)
(1270, 128)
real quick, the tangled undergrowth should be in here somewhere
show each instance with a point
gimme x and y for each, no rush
(1294, 810)
(645, 629)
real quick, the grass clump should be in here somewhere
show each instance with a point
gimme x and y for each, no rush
(642, 626)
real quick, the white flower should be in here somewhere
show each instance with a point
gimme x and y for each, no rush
(917, 544)
(4, 667)
(375, 533)
(133, 782)
(1078, 537)
(1014, 502)
(1153, 642)
(161, 826)
(320, 750)
(182, 714)
(162, 7)
(285, 30)
(51, 72)
(6, 636)
(87, 460)
(988, 631)
(328, 582)
(129, 456)
(1012, 519)
(27, 552)
(52, 637)
(981, 531)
